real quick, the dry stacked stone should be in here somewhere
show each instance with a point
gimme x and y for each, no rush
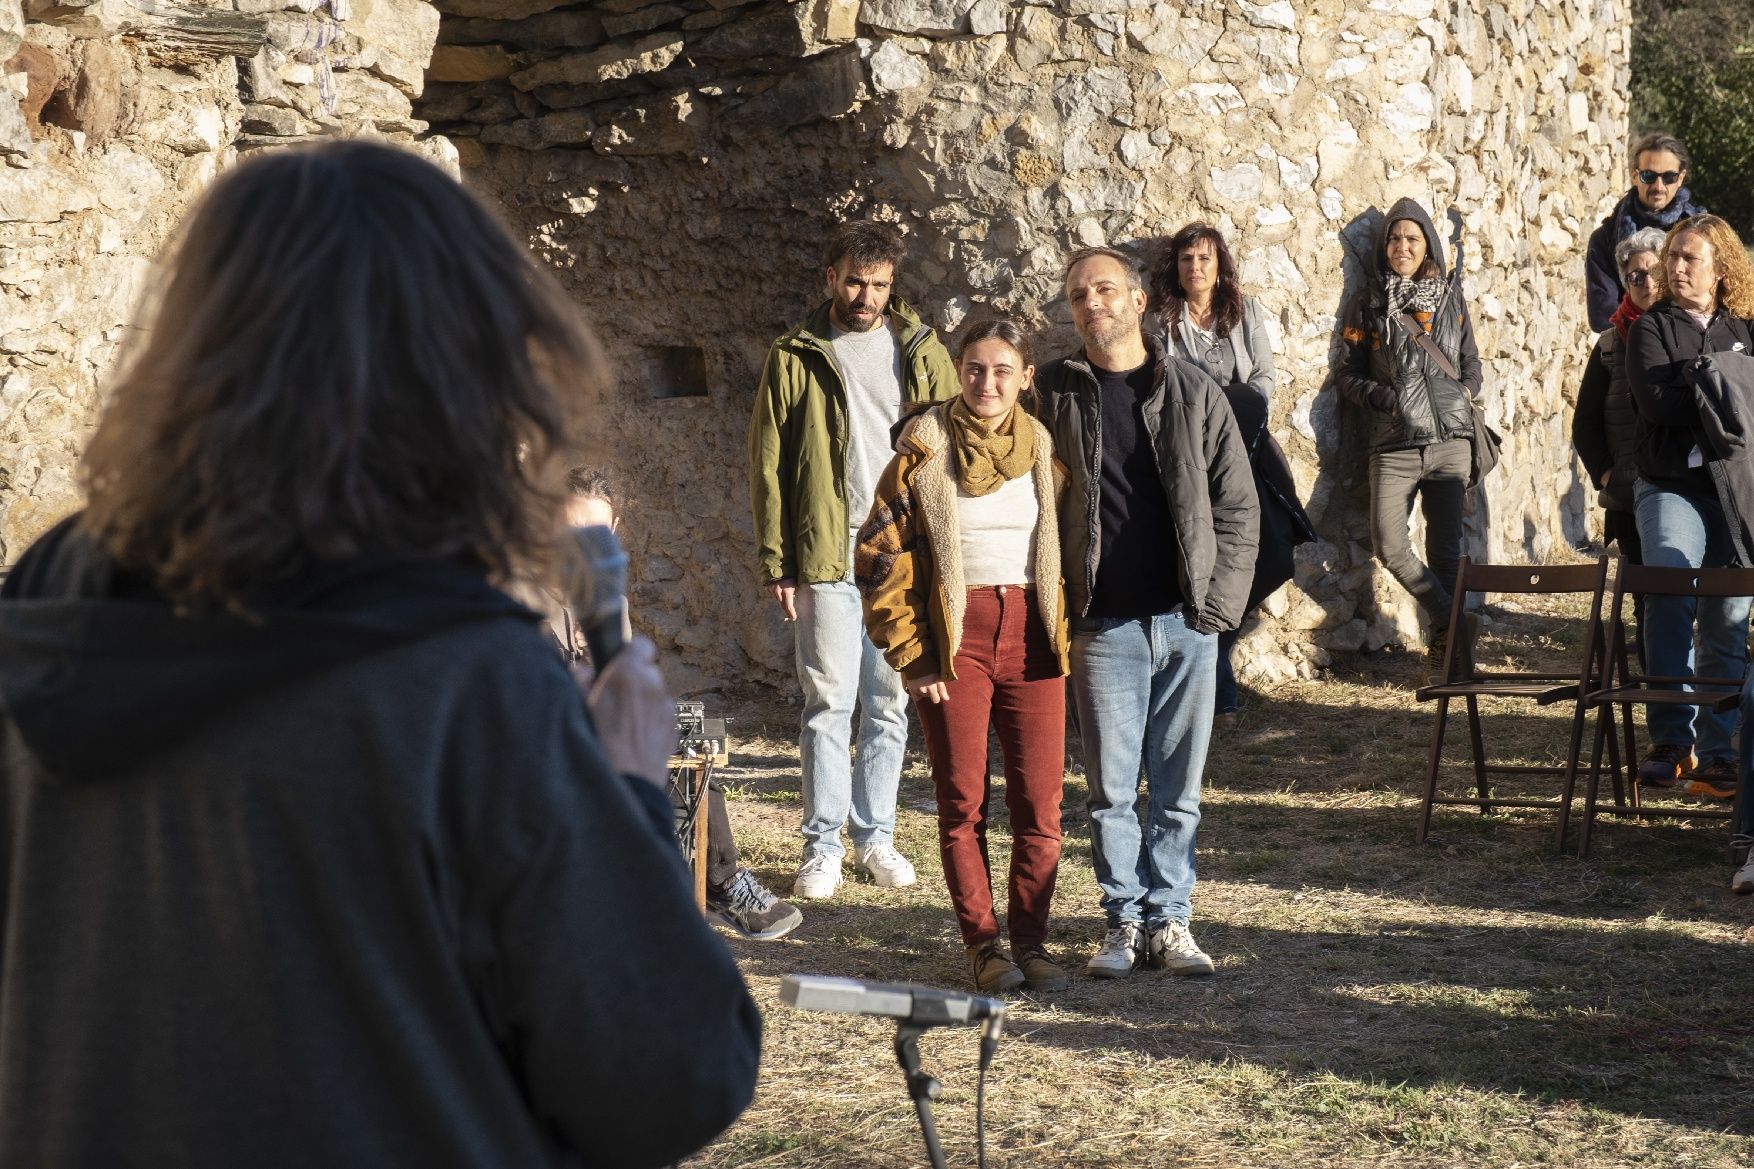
(679, 163)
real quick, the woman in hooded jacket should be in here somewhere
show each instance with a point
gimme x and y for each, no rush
(1410, 361)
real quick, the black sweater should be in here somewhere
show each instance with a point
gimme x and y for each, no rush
(352, 885)
(1658, 349)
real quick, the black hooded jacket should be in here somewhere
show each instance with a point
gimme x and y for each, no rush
(1411, 402)
(351, 884)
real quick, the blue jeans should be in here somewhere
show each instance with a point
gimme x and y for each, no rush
(838, 665)
(1144, 692)
(1224, 700)
(1680, 531)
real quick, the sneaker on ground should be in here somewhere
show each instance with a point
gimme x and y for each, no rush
(818, 876)
(1740, 846)
(1665, 763)
(888, 869)
(1121, 949)
(992, 969)
(748, 907)
(1041, 972)
(1714, 779)
(1173, 949)
(1743, 881)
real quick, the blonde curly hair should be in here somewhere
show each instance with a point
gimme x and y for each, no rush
(1735, 290)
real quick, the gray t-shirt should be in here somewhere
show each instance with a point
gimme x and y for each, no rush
(871, 364)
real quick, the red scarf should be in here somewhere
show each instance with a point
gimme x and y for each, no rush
(1623, 317)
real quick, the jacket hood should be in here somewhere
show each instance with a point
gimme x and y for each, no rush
(98, 672)
(1407, 209)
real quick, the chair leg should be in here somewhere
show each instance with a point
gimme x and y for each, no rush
(1631, 756)
(1614, 759)
(1479, 753)
(1575, 749)
(1431, 769)
(1603, 721)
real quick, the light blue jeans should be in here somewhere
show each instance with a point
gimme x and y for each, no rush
(838, 665)
(1143, 687)
(1680, 531)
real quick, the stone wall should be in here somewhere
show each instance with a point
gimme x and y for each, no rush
(113, 117)
(680, 162)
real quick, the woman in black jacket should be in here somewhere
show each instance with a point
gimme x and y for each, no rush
(1411, 362)
(1707, 301)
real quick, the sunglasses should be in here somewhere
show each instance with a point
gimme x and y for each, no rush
(1639, 278)
(1669, 177)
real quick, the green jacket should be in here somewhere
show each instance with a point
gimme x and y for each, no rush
(798, 443)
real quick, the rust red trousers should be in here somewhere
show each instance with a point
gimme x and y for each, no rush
(1007, 679)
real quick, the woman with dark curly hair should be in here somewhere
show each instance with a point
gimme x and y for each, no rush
(1208, 321)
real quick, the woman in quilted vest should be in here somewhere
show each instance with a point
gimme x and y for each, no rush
(1411, 363)
(959, 567)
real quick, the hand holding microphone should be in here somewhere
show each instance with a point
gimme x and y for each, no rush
(634, 713)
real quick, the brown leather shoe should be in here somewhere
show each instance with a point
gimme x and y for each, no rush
(1041, 972)
(992, 969)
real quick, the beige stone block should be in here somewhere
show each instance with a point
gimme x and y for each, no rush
(615, 63)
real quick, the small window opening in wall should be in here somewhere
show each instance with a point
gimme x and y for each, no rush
(677, 371)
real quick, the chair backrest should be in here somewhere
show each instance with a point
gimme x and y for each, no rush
(1651, 580)
(1531, 578)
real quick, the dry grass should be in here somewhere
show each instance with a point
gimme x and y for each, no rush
(1477, 1000)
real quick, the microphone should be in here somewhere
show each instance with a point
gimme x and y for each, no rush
(922, 1006)
(599, 593)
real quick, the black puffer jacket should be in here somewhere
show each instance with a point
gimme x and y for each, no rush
(1605, 427)
(1660, 347)
(1205, 471)
(1412, 403)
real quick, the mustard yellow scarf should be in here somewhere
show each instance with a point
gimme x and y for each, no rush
(986, 455)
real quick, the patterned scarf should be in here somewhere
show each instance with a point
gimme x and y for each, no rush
(1407, 294)
(1624, 316)
(986, 455)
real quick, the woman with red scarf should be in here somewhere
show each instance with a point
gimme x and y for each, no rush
(1604, 429)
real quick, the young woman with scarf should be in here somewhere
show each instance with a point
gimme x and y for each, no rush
(959, 567)
(1411, 362)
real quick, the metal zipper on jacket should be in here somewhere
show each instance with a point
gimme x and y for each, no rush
(1094, 553)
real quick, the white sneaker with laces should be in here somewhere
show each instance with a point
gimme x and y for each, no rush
(818, 876)
(1173, 948)
(1121, 949)
(1743, 881)
(888, 869)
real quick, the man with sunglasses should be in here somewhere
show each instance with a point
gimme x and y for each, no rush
(1657, 199)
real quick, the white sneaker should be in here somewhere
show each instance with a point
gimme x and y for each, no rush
(818, 876)
(1743, 881)
(888, 869)
(1173, 948)
(1121, 949)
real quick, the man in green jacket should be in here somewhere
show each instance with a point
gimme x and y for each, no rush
(830, 392)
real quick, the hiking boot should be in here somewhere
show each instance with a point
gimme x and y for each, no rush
(887, 868)
(1715, 779)
(1439, 642)
(818, 876)
(1223, 722)
(1431, 669)
(1665, 763)
(747, 906)
(1121, 949)
(1173, 949)
(1041, 972)
(992, 969)
(1743, 881)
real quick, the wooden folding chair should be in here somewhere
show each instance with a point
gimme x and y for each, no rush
(1461, 678)
(1625, 687)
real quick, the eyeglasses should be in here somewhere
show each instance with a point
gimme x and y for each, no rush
(1669, 177)
(1639, 278)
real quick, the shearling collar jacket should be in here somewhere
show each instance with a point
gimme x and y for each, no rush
(908, 560)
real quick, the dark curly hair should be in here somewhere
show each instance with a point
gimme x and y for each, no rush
(348, 353)
(1168, 298)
